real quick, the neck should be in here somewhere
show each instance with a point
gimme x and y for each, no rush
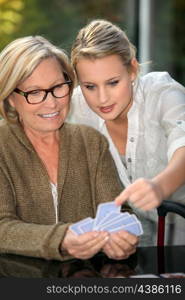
(37, 138)
(124, 113)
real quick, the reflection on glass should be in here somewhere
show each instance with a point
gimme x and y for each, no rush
(98, 266)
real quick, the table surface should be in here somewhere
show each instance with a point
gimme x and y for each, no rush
(147, 260)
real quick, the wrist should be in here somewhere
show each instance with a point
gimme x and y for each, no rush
(63, 251)
(162, 191)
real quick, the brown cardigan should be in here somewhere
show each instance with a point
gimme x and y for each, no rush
(87, 176)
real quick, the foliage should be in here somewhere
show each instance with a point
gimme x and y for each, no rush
(60, 20)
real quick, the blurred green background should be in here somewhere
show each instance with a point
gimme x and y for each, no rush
(60, 20)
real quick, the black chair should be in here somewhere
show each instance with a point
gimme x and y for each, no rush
(166, 207)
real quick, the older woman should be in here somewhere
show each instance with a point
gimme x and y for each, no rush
(52, 173)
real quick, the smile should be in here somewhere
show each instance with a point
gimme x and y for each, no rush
(49, 115)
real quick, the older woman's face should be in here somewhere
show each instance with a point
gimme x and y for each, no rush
(49, 115)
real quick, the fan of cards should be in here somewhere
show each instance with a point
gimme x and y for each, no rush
(109, 218)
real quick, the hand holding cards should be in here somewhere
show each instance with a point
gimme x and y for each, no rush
(109, 218)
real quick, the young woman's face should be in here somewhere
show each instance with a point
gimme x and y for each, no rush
(106, 85)
(50, 114)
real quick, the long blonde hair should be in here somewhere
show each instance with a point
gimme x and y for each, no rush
(17, 62)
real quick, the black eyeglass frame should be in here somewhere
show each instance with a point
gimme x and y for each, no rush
(50, 90)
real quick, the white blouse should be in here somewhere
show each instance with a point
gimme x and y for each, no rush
(156, 129)
(55, 198)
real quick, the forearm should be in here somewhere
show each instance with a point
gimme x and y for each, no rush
(173, 176)
(35, 240)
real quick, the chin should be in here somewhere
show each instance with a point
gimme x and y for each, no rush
(49, 129)
(108, 117)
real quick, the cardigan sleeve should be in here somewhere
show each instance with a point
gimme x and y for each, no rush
(22, 238)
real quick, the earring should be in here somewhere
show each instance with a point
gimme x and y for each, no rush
(133, 83)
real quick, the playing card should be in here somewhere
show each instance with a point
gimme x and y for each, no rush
(76, 226)
(131, 228)
(112, 216)
(87, 226)
(134, 228)
(119, 223)
(109, 218)
(103, 210)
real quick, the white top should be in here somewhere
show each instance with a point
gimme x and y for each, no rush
(156, 128)
(123, 159)
(55, 198)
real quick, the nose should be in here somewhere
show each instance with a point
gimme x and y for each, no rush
(103, 95)
(50, 100)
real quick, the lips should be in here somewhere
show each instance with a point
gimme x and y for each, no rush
(51, 115)
(107, 109)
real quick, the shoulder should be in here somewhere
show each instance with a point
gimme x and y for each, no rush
(7, 141)
(153, 77)
(158, 86)
(4, 130)
(159, 80)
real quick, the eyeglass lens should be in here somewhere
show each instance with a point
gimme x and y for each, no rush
(58, 91)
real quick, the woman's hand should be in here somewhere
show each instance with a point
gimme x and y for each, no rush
(86, 245)
(120, 245)
(143, 193)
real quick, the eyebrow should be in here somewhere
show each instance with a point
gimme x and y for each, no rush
(86, 82)
(112, 78)
(35, 87)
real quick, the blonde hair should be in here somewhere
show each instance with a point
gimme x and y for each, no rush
(101, 38)
(19, 59)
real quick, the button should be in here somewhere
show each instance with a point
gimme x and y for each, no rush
(130, 177)
(132, 139)
(129, 160)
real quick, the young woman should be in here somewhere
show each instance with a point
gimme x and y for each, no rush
(143, 119)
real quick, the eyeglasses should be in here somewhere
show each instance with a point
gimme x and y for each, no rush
(37, 96)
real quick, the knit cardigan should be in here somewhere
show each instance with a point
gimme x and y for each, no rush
(86, 177)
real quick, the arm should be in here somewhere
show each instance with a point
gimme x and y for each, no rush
(26, 238)
(149, 193)
(173, 176)
(40, 240)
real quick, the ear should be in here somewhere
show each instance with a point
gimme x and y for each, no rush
(134, 68)
(11, 101)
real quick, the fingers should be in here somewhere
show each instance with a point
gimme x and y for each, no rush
(120, 245)
(122, 197)
(86, 245)
(125, 239)
(143, 193)
(93, 246)
(148, 202)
